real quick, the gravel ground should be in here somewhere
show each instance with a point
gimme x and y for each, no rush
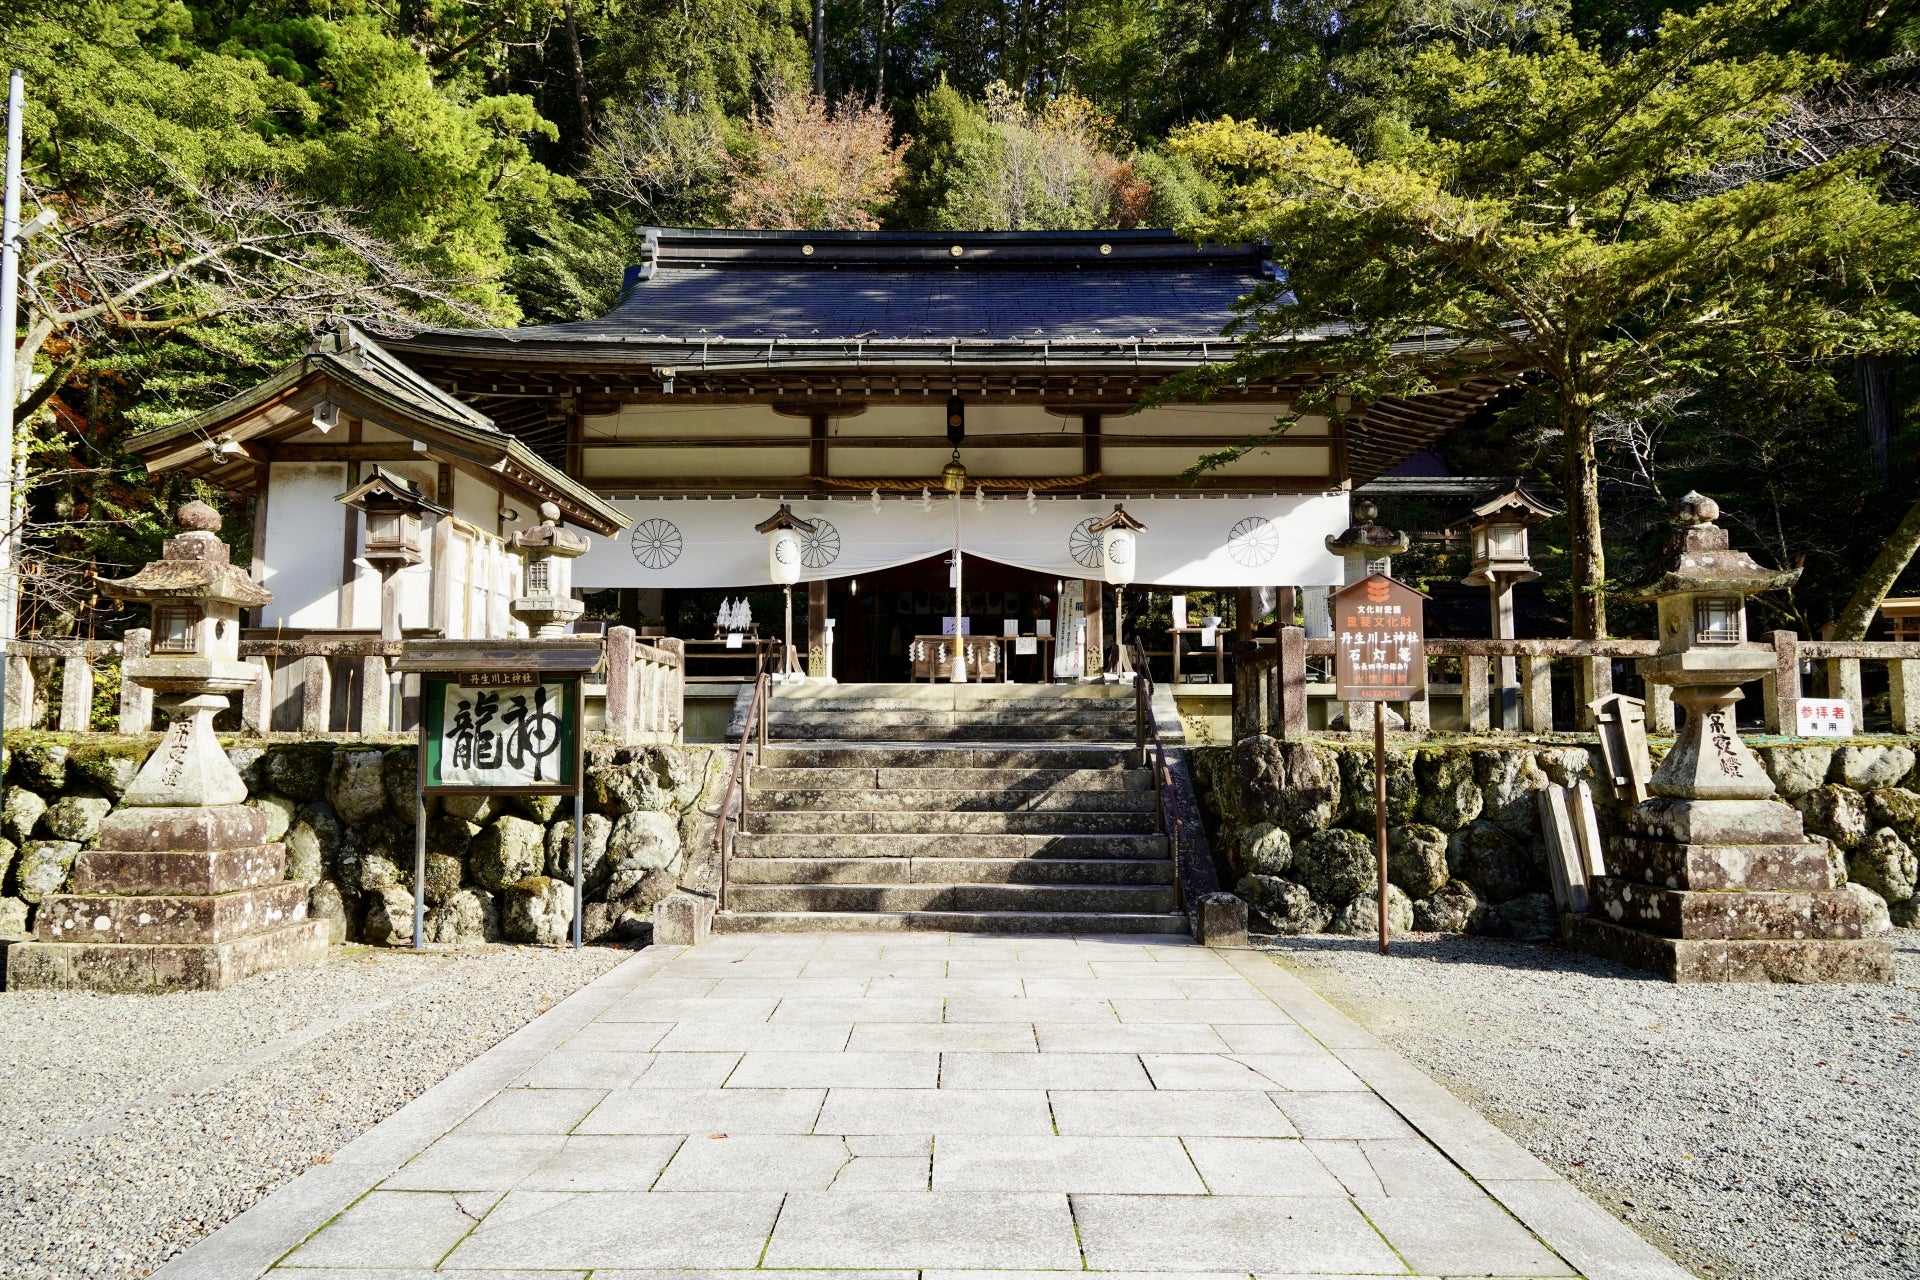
(1769, 1132)
(130, 1126)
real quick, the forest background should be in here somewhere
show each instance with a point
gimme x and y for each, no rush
(228, 176)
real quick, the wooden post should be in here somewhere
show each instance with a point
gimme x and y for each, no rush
(256, 702)
(1094, 593)
(136, 701)
(1843, 683)
(1594, 677)
(1475, 706)
(316, 694)
(1660, 709)
(620, 681)
(1380, 811)
(1783, 701)
(76, 692)
(817, 629)
(1291, 684)
(1903, 692)
(1536, 693)
(1243, 615)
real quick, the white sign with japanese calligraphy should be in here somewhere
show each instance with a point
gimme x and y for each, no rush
(511, 737)
(1825, 718)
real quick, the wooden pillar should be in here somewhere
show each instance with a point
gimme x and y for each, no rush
(817, 629)
(1783, 701)
(136, 701)
(1095, 595)
(1242, 614)
(1536, 693)
(76, 692)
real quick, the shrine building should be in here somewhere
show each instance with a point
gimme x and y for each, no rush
(840, 373)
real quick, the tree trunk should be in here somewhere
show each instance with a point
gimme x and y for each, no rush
(579, 72)
(820, 49)
(1895, 554)
(1587, 555)
(1873, 380)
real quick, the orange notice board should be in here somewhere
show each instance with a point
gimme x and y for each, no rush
(1380, 643)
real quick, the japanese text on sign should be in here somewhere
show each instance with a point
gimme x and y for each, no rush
(502, 739)
(1825, 718)
(1380, 652)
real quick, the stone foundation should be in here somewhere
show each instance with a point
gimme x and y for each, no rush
(1746, 960)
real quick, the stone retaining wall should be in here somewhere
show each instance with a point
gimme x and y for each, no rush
(1293, 823)
(496, 869)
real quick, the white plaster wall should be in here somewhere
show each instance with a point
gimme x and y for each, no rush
(301, 560)
(416, 581)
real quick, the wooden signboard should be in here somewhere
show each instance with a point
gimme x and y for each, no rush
(1380, 655)
(1380, 641)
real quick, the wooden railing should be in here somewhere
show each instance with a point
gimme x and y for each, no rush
(333, 685)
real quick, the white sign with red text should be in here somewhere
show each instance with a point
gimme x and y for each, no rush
(1825, 718)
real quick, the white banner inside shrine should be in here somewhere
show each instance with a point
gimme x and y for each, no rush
(1274, 540)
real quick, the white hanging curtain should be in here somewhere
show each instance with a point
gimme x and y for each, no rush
(1199, 541)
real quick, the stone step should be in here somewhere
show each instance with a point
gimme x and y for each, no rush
(829, 755)
(948, 780)
(1129, 871)
(751, 845)
(997, 693)
(120, 966)
(929, 822)
(1741, 960)
(211, 871)
(988, 713)
(1727, 915)
(1118, 899)
(1720, 866)
(870, 729)
(905, 797)
(174, 919)
(1088, 923)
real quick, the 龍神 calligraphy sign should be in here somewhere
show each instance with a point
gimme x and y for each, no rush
(1379, 639)
(481, 735)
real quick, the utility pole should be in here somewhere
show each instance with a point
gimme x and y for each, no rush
(9, 377)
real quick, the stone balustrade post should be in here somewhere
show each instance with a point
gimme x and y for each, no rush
(676, 688)
(1593, 680)
(1843, 684)
(256, 701)
(316, 694)
(375, 694)
(1536, 693)
(136, 701)
(1475, 699)
(1660, 709)
(1290, 682)
(1903, 690)
(1783, 686)
(76, 692)
(620, 683)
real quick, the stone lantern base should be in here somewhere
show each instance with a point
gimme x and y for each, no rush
(171, 899)
(1726, 891)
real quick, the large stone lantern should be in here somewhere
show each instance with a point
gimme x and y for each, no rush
(1714, 879)
(193, 662)
(1366, 548)
(182, 889)
(547, 553)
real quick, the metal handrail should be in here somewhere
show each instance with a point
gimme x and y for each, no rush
(756, 726)
(1147, 734)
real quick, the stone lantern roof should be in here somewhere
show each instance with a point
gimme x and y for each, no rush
(192, 566)
(1697, 559)
(548, 536)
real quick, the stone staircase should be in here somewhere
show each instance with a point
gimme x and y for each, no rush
(984, 808)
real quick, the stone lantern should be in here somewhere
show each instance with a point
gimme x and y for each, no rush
(1119, 563)
(182, 889)
(547, 553)
(1366, 548)
(1714, 880)
(1498, 529)
(783, 530)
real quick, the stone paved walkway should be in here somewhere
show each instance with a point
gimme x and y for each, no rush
(942, 1105)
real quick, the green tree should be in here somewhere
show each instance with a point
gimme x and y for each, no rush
(1561, 219)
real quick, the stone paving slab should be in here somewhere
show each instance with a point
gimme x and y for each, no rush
(932, 1107)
